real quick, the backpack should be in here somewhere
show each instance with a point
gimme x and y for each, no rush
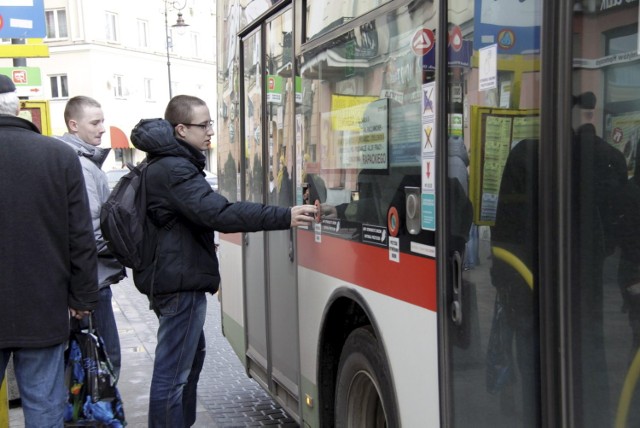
(123, 220)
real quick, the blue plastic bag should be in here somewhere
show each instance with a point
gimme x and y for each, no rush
(93, 398)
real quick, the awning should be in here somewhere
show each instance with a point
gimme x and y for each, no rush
(119, 139)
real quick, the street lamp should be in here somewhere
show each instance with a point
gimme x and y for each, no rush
(180, 25)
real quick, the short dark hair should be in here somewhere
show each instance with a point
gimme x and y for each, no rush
(76, 105)
(180, 109)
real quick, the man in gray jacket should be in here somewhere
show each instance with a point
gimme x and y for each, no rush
(85, 124)
(47, 259)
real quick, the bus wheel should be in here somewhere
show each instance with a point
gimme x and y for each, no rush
(364, 392)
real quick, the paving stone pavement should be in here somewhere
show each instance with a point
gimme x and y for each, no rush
(227, 398)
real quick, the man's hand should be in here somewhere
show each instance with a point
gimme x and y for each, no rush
(328, 211)
(302, 215)
(78, 314)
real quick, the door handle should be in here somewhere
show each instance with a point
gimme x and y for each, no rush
(246, 239)
(457, 289)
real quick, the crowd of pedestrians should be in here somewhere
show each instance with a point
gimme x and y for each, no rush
(56, 264)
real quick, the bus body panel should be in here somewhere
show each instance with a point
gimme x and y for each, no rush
(412, 358)
(232, 293)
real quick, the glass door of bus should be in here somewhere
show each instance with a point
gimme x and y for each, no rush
(269, 167)
(605, 214)
(252, 81)
(492, 131)
(540, 303)
(280, 170)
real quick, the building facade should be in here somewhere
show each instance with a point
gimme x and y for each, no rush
(124, 54)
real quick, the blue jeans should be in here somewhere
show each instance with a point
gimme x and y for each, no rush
(179, 358)
(40, 377)
(107, 328)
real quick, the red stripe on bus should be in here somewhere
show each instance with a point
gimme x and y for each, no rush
(413, 280)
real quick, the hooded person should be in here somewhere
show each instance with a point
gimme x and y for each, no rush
(187, 212)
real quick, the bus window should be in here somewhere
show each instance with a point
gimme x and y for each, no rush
(362, 125)
(606, 271)
(325, 15)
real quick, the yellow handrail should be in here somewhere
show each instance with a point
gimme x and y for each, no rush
(629, 386)
(515, 262)
(633, 374)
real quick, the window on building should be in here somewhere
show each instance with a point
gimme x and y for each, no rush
(118, 86)
(56, 21)
(195, 51)
(622, 77)
(148, 94)
(142, 34)
(111, 27)
(59, 86)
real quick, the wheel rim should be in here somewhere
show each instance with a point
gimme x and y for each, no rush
(365, 408)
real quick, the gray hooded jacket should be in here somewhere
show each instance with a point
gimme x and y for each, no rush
(110, 271)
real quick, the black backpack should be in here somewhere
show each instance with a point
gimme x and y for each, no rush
(129, 235)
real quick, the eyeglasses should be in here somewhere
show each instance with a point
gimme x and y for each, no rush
(204, 126)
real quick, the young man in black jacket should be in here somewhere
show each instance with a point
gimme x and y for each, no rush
(187, 211)
(47, 259)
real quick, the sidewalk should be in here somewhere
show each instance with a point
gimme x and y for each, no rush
(137, 330)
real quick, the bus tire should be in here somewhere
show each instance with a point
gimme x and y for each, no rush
(364, 390)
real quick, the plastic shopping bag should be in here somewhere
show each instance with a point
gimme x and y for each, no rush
(93, 398)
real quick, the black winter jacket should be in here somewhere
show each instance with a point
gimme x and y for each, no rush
(179, 197)
(47, 247)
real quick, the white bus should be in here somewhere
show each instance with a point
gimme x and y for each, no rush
(477, 259)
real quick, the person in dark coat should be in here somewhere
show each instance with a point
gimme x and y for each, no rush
(601, 188)
(47, 258)
(186, 212)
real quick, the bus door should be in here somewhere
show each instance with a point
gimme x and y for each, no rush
(491, 139)
(270, 269)
(254, 190)
(541, 296)
(281, 266)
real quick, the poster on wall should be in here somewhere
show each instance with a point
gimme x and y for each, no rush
(360, 128)
(496, 132)
(488, 68)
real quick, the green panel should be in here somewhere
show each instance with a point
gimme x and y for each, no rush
(234, 333)
(23, 76)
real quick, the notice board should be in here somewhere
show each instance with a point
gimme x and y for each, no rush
(495, 131)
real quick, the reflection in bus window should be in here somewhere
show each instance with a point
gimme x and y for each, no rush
(607, 214)
(493, 76)
(325, 15)
(362, 99)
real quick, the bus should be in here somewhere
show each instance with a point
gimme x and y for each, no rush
(474, 261)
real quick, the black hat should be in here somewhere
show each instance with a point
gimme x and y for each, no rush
(6, 84)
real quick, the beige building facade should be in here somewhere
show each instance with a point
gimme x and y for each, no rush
(124, 54)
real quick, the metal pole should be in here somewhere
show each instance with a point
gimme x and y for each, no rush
(168, 41)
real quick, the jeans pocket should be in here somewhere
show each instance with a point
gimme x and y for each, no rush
(166, 304)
